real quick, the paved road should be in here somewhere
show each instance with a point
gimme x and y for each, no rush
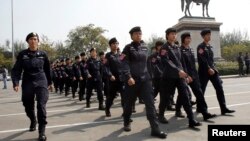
(69, 120)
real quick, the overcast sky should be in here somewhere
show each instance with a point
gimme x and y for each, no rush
(55, 18)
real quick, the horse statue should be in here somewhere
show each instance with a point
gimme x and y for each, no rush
(204, 3)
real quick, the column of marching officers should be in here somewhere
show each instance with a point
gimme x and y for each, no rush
(135, 74)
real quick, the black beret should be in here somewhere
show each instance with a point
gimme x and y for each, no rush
(62, 60)
(135, 29)
(205, 31)
(77, 57)
(67, 59)
(82, 54)
(169, 30)
(158, 43)
(184, 35)
(32, 34)
(92, 49)
(113, 40)
(101, 53)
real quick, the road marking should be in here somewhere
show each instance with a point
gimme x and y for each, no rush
(105, 121)
(73, 109)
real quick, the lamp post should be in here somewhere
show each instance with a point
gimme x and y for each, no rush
(12, 38)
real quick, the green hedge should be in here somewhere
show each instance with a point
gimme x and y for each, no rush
(227, 68)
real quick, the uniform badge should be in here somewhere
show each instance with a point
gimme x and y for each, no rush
(153, 60)
(163, 52)
(122, 56)
(201, 51)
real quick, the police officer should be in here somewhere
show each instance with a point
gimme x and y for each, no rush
(153, 67)
(83, 77)
(207, 70)
(137, 80)
(94, 69)
(173, 77)
(114, 75)
(193, 78)
(69, 76)
(35, 66)
(240, 60)
(105, 79)
(76, 75)
(62, 75)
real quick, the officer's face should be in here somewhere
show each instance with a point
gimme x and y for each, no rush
(207, 37)
(187, 40)
(171, 37)
(33, 42)
(93, 53)
(136, 36)
(114, 46)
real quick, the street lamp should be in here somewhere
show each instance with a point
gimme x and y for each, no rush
(12, 27)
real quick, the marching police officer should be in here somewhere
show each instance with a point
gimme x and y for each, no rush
(207, 70)
(69, 76)
(193, 78)
(36, 80)
(137, 80)
(173, 77)
(83, 77)
(105, 79)
(153, 67)
(94, 69)
(76, 75)
(114, 75)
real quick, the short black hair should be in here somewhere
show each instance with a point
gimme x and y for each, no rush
(83, 54)
(77, 57)
(101, 53)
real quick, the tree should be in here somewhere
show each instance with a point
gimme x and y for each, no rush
(83, 38)
(233, 38)
(47, 46)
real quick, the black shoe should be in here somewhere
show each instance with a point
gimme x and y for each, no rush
(127, 128)
(101, 107)
(198, 111)
(87, 105)
(33, 126)
(170, 108)
(130, 120)
(42, 138)
(227, 111)
(208, 116)
(179, 114)
(194, 123)
(133, 110)
(159, 134)
(193, 103)
(107, 112)
(162, 119)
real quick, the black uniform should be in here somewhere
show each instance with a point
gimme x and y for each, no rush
(171, 61)
(55, 78)
(154, 71)
(134, 57)
(114, 68)
(69, 78)
(105, 78)
(247, 63)
(62, 78)
(189, 67)
(76, 75)
(36, 78)
(240, 60)
(94, 68)
(83, 82)
(206, 61)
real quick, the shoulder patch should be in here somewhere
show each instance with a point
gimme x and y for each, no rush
(122, 56)
(201, 51)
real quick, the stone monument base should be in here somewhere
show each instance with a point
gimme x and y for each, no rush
(194, 25)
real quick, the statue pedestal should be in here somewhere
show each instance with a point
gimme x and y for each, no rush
(194, 25)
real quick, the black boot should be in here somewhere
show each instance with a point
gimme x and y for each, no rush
(207, 116)
(42, 137)
(193, 123)
(33, 126)
(155, 132)
(88, 104)
(101, 107)
(107, 112)
(127, 127)
(162, 119)
(223, 112)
